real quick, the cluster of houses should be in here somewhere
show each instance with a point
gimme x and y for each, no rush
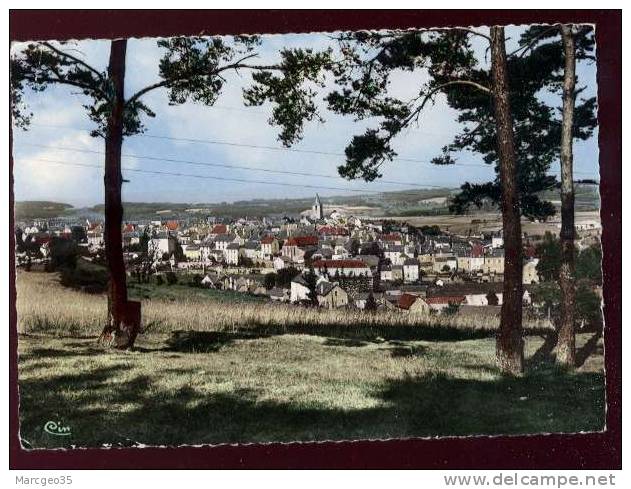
(357, 262)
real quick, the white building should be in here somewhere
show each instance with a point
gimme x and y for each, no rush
(530, 274)
(497, 242)
(410, 270)
(269, 247)
(163, 243)
(232, 253)
(299, 290)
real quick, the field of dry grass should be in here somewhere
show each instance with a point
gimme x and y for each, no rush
(492, 221)
(211, 373)
(46, 307)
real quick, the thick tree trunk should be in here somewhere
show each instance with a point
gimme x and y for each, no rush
(566, 349)
(121, 329)
(510, 347)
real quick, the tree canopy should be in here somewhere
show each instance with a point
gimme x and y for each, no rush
(364, 64)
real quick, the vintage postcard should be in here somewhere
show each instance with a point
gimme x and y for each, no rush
(325, 236)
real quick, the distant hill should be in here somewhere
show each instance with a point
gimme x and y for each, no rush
(35, 209)
(389, 203)
(418, 202)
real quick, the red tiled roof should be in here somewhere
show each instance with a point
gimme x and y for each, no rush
(128, 228)
(302, 241)
(530, 252)
(446, 299)
(219, 229)
(391, 237)
(406, 301)
(41, 240)
(339, 264)
(268, 240)
(333, 231)
(477, 251)
(172, 225)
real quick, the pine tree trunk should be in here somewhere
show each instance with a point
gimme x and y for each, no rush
(510, 347)
(566, 349)
(120, 330)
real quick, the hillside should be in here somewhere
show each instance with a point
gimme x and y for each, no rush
(408, 203)
(33, 209)
(389, 203)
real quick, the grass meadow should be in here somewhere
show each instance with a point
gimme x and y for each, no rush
(209, 371)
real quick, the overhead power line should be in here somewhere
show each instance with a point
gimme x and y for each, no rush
(228, 179)
(295, 150)
(265, 147)
(222, 165)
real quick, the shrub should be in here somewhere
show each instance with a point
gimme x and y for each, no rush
(171, 278)
(63, 253)
(196, 280)
(88, 278)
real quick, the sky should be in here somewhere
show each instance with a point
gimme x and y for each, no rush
(44, 154)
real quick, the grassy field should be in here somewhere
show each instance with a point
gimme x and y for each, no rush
(177, 292)
(239, 373)
(491, 221)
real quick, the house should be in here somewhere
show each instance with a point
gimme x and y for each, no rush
(299, 289)
(386, 273)
(163, 242)
(470, 260)
(211, 282)
(251, 250)
(192, 252)
(331, 295)
(95, 238)
(410, 270)
(497, 241)
(279, 295)
(371, 260)
(232, 253)
(322, 254)
(397, 273)
(391, 239)
(269, 247)
(445, 262)
(281, 262)
(208, 253)
(362, 298)
(131, 238)
(219, 229)
(340, 252)
(171, 226)
(413, 304)
(426, 266)
(333, 232)
(395, 254)
(222, 241)
(295, 247)
(475, 294)
(530, 274)
(494, 261)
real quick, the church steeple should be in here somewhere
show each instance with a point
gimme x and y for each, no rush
(317, 210)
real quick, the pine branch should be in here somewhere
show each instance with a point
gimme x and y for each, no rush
(73, 58)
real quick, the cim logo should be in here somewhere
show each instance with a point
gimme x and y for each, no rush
(57, 429)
